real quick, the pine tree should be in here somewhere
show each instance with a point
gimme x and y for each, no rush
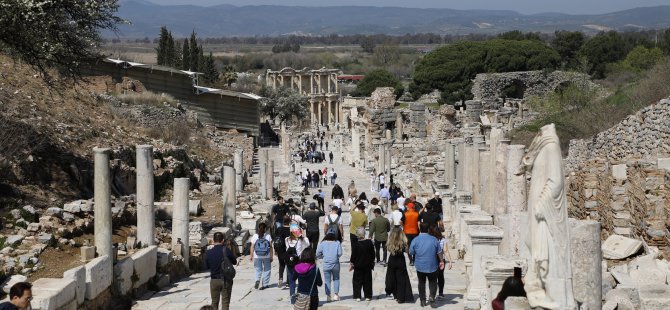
(176, 61)
(211, 74)
(185, 55)
(162, 46)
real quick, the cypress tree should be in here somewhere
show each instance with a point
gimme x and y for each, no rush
(169, 50)
(194, 53)
(161, 50)
(176, 61)
(211, 75)
(185, 55)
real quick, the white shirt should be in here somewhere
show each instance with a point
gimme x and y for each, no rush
(298, 219)
(401, 202)
(331, 172)
(381, 179)
(299, 244)
(396, 218)
(254, 238)
(338, 203)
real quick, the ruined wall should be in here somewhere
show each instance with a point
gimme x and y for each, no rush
(645, 134)
(489, 86)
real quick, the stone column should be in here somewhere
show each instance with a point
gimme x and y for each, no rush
(586, 259)
(355, 145)
(319, 104)
(484, 184)
(180, 218)
(494, 140)
(388, 134)
(474, 172)
(239, 167)
(460, 158)
(381, 163)
(398, 126)
(263, 179)
(467, 168)
(329, 105)
(144, 163)
(499, 189)
(449, 164)
(311, 111)
(387, 157)
(229, 194)
(103, 203)
(485, 240)
(270, 178)
(516, 183)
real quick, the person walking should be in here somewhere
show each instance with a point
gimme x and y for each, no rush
(373, 188)
(326, 145)
(20, 295)
(352, 190)
(332, 174)
(381, 180)
(435, 232)
(358, 220)
(397, 279)
(279, 245)
(428, 259)
(313, 219)
(220, 285)
(370, 209)
(379, 229)
(330, 251)
(362, 263)
(396, 216)
(337, 192)
(331, 156)
(309, 278)
(410, 221)
(261, 256)
(384, 196)
(278, 211)
(333, 224)
(296, 244)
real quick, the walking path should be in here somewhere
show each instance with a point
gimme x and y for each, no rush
(193, 292)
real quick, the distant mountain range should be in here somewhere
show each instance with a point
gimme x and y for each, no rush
(273, 20)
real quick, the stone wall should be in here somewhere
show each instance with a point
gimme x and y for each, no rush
(644, 134)
(489, 86)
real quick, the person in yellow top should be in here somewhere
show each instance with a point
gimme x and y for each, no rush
(358, 219)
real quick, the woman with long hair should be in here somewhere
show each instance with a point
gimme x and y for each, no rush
(330, 251)
(397, 278)
(261, 256)
(435, 232)
(512, 286)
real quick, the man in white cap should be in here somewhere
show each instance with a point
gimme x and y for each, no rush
(436, 203)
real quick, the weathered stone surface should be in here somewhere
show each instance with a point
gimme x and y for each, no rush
(654, 296)
(145, 264)
(517, 303)
(123, 273)
(78, 274)
(98, 276)
(619, 172)
(586, 260)
(11, 281)
(52, 294)
(619, 247)
(14, 239)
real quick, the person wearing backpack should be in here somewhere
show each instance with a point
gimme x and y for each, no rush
(261, 256)
(279, 246)
(296, 243)
(220, 261)
(312, 217)
(309, 278)
(333, 224)
(330, 251)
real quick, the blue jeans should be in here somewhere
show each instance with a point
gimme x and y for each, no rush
(262, 266)
(291, 283)
(335, 273)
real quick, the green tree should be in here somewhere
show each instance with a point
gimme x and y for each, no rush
(602, 49)
(228, 75)
(161, 50)
(56, 34)
(385, 54)
(210, 73)
(378, 78)
(170, 51)
(452, 68)
(568, 44)
(283, 103)
(178, 57)
(368, 44)
(194, 53)
(185, 55)
(517, 35)
(642, 58)
(664, 41)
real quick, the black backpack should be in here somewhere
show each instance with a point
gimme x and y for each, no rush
(279, 244)
(227, 269)
(333, 227)
(291, 257)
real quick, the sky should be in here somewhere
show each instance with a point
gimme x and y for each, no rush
(522, 6)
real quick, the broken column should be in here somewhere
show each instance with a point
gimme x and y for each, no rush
(355, 146)
(398, 126)
(474, 172)
(516, 203)
(229, 196)
(387, 157)
(270, 178)
(450, 164)
(180, 233)
(239, 167)
(459, 146)
(586, 260)
(103, 204)
(499, 188)
(263, 179)
(145, 195)
(484, 168)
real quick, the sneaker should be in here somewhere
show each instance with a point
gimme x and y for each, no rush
(384, 264)
(336, 297)
(389, 296)
(328, 299)
(432, 303)
(367, 299)
(262, 288)
(358, 299)
(439, 297)
(257, 284)
(423, 303)
(280, 283)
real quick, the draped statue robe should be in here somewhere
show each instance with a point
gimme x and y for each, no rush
(548, 282)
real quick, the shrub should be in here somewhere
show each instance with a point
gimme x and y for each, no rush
(147, 98)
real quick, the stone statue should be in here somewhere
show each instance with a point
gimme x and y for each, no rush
(548, 282)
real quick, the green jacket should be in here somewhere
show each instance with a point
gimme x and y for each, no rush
(379, 228)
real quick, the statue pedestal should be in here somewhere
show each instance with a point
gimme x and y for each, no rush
(496, 270)
(485, 240)
(460, 228)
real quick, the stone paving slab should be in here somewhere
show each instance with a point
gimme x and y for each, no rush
(193, 292)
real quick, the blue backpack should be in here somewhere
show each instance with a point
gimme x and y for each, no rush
(262, 246)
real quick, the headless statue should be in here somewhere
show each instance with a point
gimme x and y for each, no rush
(548, 282)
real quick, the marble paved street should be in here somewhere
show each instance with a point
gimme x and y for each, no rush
(193, 292)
